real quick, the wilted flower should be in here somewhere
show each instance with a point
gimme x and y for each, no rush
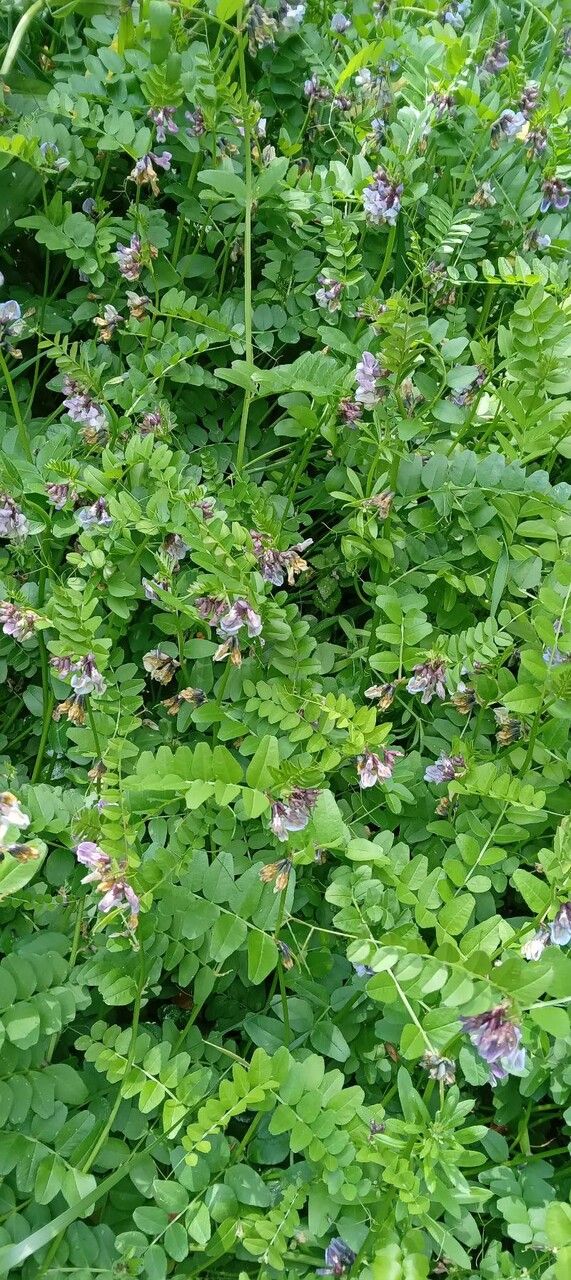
(497, 1040)
(510, 124)
(196, 697)
(446, 768)
(81, 406)
(137, 304)
(340, 23)
(381, 199)
(484, 197)
(329, 295)
(464, 699)
(382, 503)
(368, 377)
(374, 768)
(23, 852)
(87, 678)
(556, 195)
(162, 118)
(130, 259)
(11, 323)
(286, 954)
(292, 17)
(209, 608)
(497, 59)
(73, 709)
(294, 813)
(339, 1257)
(315, 91)
(97, 772)
(13, 523)
(196, 122)
(96, 514)
(383, 694)
(59, 494)
(509, 729)
(276, 873)
(144, 172)
(176, 549)
(536, 143)
(262, 28)
(530, 97)
(11, 814)
(444, 104)
(429, 679)
(275, 564)
(239, 615)
(107, 323)
(161, 666)
(17, 622)
(206, 506)
(151, 422)
(560, 927)
(51, 155)
(229, 648)
(533, 947)
(350, 411)
(456, 13)
(439, 1068)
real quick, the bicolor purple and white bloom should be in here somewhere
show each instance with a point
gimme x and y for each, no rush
(117, 893)
(144, 171)
(210, 609)
(498, 58)
(315, 91)
(51, 156)
(373, 768)
(556, 195)
(294, 813)
(13, 523)
(560, 927)
(93, 857)
(292, 17)
(129, 259)
(17, 622)
(96, 514)
(533, 947)
(239, 615)
(11, 814)
(274, 564)
(11, 323)
(196, 123)
(510, 123)
(162, 118)
(445, 769)
(329, 293)
(429, 679)
(381, 199)
(87, 678)
(81, 407)
(340, 23)
(456, 13)
(497, 1040)
(58, 495)
(363, 970)
(339, 1257)
(350, 411)
(368, 377)
(115, 890)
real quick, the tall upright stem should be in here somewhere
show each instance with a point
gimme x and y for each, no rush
(249, 350)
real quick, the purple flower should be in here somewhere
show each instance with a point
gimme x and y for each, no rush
(536, 142)
(446, 768)
(533, 947)
(363, 970)
(455, 14)
(340, 23)
(439, 1068)
(556, 195)
(175, 548)
(381, 199)
(292, 17)
(210, 609)
(373, 768)
(329, 295)
(162, 118)
(150, 422)
(368, 376)
(239, 615)
(262, 29)
(149, 588)
(560, 927)
(92, 856)
(275, 564)
(11, 323)
(294, 813)
(51, 155)
(552, 654)
(144, 171)
(88, 678)
(530, 97)
(497, 59)
(510, 123)
(96, 514)
(315, 91)
(118, 892)
(58, 495)
(17, 622)
(429, 679)
(129, 258)
(89, 206)
(81, 407)
(11, 814)
(196, 122)
(13, 523)
(339, 1257)
(497, 1040)
(350, 411)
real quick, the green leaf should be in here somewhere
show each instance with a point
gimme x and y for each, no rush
(264, 765)
(262, 956)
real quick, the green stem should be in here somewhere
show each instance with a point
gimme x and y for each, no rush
(19, 33)
(20, 424)
(91, 719)
(248, 342)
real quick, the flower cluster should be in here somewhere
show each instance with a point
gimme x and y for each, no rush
(81, 407)
(339, 1257)
(373, 768)
(294, 813)
(497, 1040)
(112, 885)
(429, 679)
(162, 118)
(557, 934)
(368, 377)
(446, 768)
(144, 172)
(18, 622)
(13, 523)
(381, 199)
(274, 564)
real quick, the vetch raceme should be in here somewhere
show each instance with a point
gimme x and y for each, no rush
(368, 377)
(446, 768)
(373, 768)
(294, 813)
(497, 1039)
(17, 621)
(13, 523)
(429, 679)
(162, 118)
(381, 199)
